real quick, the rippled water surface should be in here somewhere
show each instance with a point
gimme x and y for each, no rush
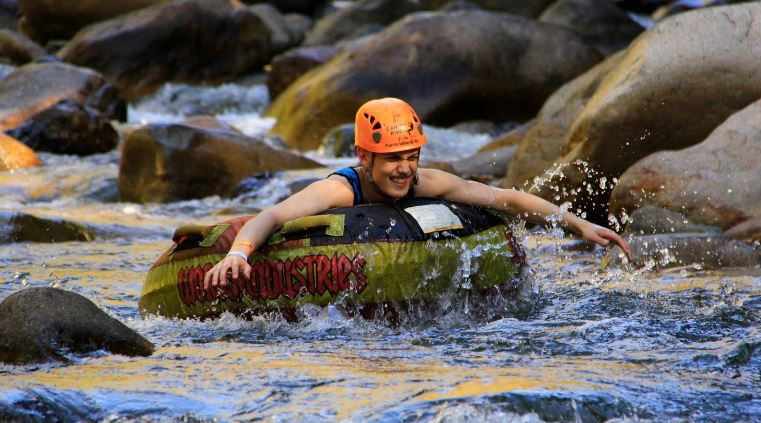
(587, 344)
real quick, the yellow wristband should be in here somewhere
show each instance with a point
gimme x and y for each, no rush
(245, 243)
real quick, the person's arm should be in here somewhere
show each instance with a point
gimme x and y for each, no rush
(315, 198)
(436, 183)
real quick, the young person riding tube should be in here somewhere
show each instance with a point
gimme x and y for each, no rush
(388, 140)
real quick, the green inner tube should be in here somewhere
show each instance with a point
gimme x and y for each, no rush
(359, 257)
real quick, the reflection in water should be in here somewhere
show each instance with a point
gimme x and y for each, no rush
(595, 344)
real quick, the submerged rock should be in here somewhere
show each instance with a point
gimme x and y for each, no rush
(170, 162)
(22, 227)
(450, 66)
(44, 324)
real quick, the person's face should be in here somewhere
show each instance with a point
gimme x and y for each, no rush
(394, 173)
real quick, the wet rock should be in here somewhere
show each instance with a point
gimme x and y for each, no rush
(22, 227)
(650, 100)
(714, 182)
(339, 142)
(526, 8)
(48, 19)
(748, 231)
(298, 24)
(281, 36)
(35, 87)
(17, 48)
(542, 145)
(9, 14)
(309, 7)
(288, 67)
(599, 22)
(350, 20)
(650, 220)
(708, 251)
(43, 324)
(509, 138)
(481, 127)
(194, 41)
(15, 155)
(68, 127)
(170, 162)
(485, 165)
(450, 67)
(680, 6)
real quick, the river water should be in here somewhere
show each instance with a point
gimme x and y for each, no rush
(586, 345)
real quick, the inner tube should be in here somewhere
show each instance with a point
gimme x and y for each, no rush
(360, 257)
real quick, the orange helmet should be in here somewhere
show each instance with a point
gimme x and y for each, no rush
(387, 125)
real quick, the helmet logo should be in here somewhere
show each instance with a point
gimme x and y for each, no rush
(377, 137)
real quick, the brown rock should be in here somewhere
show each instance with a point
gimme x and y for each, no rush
(47, 19)
(15, 155)
(511, 137)
(17, 49)
(288, 67)
(526, 8)
(542, 145)
(600, 22)
(35, 87)
(450, 67)
(21, 227)
(177, 162)
(666, 78)
(714, 182)
(194, 41)
(68, 127)
(748, 231)
(42, 324)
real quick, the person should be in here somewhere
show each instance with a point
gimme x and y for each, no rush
(388, 138)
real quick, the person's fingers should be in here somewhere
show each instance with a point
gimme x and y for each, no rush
(247, 271)
(235, 269)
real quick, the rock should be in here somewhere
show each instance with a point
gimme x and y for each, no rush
(15, 155)
(707, 251)
(485, 165)
(651, 220)
(526, 8)
(18, 49)
(542, 144)
(714, 182)
(747, 231)
(9, 15)
(599, 22)
(35, 87)
(43, 324)
(287, 67)
(339, 142)
(298, 24)
(281, 36)
(68, 127)
(309, 7)
(350, 20)
(48, 19)
(478, 126)
(193, 41)
(450, 67)
(22, 227)
(171, 162)
(649, 101)
(509, 138)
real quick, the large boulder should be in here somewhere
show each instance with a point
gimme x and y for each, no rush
(599, 22)
(33, 88)
(170, 162)
(309, 7)
(714, 182)
(22, 227)
(450, 66)
(286, 68)
(68, 127)
(15, 155)
(542, 144)
(526, 8)
(353, 20)
(649, 102)
(194, 41)
(49, 19)
(43, 324)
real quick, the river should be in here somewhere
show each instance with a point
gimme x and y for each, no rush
(590, 345)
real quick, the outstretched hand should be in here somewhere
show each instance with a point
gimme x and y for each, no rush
(603, 236)
(233, 266)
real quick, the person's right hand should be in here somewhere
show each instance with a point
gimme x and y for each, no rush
(231, 266)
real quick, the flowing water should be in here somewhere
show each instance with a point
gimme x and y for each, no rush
(591, 345)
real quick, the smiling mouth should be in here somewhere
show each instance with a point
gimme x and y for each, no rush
(400, 180)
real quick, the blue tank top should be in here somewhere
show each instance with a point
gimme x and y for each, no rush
(353, 177)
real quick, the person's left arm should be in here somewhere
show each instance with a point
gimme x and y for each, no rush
(436, 183)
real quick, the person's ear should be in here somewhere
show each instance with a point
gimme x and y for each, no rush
(363, 156)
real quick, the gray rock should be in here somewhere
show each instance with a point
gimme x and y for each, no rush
(747, 231)
(287, 67)
(650, 220)
(17, 48)
(44, 324)
(339, 142)
(22, 227)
